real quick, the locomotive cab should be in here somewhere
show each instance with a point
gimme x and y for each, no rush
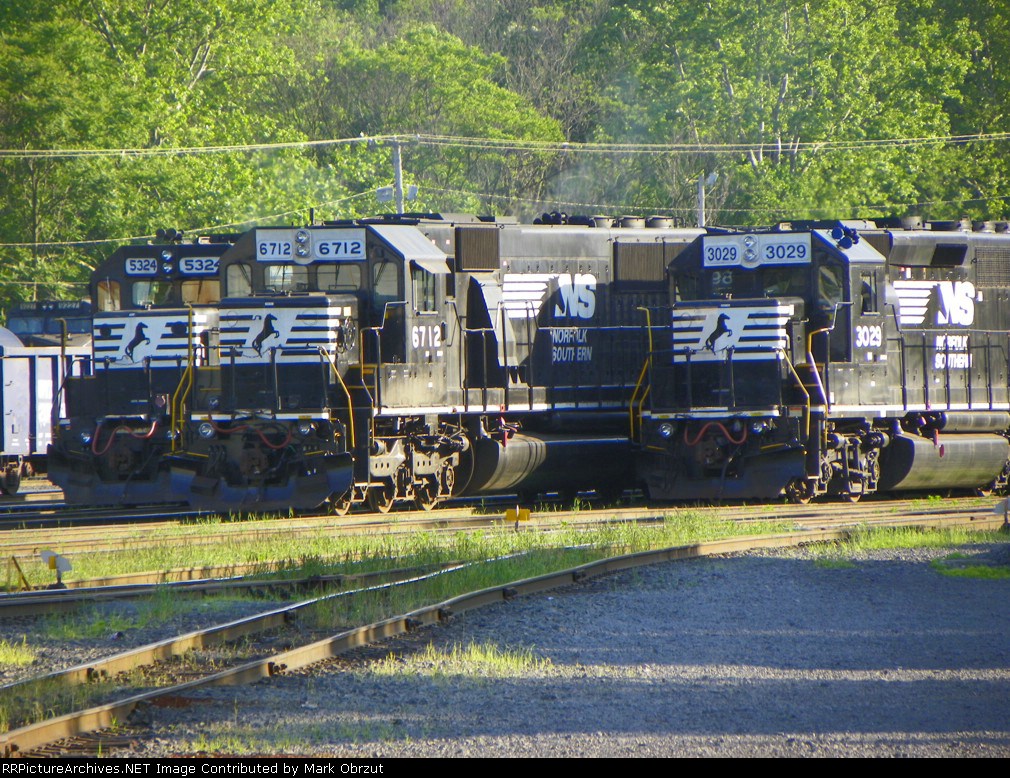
(887, 370)
(761, 347)
(154, 320)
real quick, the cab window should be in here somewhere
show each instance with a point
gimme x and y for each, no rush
(385, 284)
(424, 290)
(286, 278)
(868, 292)
(785, 281)
(201, 291)
(108, 296)
(239, 280)
(830, 289)
(148, 293)
(338, 277)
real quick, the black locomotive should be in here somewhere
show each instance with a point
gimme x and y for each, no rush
(373, 361)
(154, 308)
(838, 359)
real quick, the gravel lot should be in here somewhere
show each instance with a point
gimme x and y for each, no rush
(757, 655)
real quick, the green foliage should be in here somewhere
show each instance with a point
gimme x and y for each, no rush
(796, 90)
(431, 83)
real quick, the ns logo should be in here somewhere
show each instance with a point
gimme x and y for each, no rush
(957, 303)
(576, 296)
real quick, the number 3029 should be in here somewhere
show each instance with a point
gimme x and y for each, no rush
(869, 337)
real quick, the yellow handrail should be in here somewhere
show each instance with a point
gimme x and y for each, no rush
(347, 392)
(186, 381)
(799, 382)
(641, 377)
(812, 362)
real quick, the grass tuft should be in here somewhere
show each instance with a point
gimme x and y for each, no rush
(483, 660)
(16, 654)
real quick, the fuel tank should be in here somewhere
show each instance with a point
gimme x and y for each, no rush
(952, 462)
(550, 463)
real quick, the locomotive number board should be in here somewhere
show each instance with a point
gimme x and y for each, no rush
(306, 246)
(755, 250)
(188, 266)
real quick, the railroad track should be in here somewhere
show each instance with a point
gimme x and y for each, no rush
(174, 680)
(24, 544)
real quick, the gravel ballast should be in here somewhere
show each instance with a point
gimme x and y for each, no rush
(771, 654)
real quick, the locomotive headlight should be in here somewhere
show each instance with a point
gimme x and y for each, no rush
(665, 430)
(214, 402)
(305, 428)
(758, 427)
(302, 251)
(206, 430)
(166, 256)
(167, 267)
(750, 255)
(85, 437)
(301, 237)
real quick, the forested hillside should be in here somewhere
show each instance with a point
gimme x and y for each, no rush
(118, 117)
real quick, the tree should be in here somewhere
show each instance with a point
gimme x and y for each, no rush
(427, 82)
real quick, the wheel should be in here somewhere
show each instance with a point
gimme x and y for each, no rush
(426, 495)
(341, 505)
(799, 491)
(380, 498)
(447, 479)
(852, 497)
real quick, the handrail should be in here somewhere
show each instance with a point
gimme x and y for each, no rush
(799, 382)
(373, 367)
(646, 368)
(66, 373)
(813, 363)
(347, 392)
(186, 380)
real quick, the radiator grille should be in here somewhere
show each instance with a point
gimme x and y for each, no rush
(992, 267)
(477, 248)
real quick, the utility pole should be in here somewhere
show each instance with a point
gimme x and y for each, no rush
(701, 200)
(704, 181)
(397, 177)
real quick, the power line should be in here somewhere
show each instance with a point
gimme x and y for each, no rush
(517, 145)
(190, 231)
(659, 210)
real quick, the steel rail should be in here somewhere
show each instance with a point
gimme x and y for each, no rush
(100, 717)
(47, 600)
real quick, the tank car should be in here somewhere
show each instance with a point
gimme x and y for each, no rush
(829, 359)
(416, 357)
(154, 314)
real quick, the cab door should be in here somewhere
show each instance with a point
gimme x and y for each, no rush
(426, 347)
(869, 334)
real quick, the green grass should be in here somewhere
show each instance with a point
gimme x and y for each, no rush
(834, 563)
(102, 621)
(497, 555)
(26, 704)
(16, 654)
(837, 556)
(983, 572)
(231, 738)
(865, 540)
(262, 543)
(484, 660)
